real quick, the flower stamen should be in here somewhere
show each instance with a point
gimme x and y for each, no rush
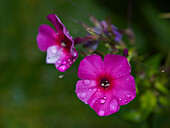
(105, 83)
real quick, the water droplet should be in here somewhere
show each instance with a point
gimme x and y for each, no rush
(53, 49)
(62, 68)
(69, 60)
(86, 82)
(120, 98)
(90, 90)
(61, 76)
(128, 95)
(101, 113)
(102, 101)
(98, 90)
(64, 62)
(104, 97)
(58, 61)
(125, 100)
(94, 89)
(113, 106)
(83, 95)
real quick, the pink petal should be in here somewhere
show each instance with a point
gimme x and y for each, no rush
(124, 89)
(46, 37)
(116, 66)
(84, 89)
(61, 29)
(102, 102)
(56, 22)
(90, 67)
(66, 59)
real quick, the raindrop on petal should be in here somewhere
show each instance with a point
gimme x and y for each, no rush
(101, 113)
(102, 101)
(128, 95)
(64, 62)
(125, 100)
(62, 68)
(83, 95)
(113, 106)
(86, 82)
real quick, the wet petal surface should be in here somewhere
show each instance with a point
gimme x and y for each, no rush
(116, 66)
(46, 37)
(90, 67)
(124, 90)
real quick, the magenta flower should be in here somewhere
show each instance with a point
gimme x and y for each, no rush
(58, 44)
(105, 85)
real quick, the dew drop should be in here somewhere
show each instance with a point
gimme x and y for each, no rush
(58, 61)
(62, 68)
(125, 100)
(128, 95)
(61, 76)
(101, 113)
(113, 106)
(64, 62)
(120, 98)
(69, 60)
(94, 89)
(104, 97)
(83, 95)
(53, 49)
(86, 82)
(90, 90)
(102, 101)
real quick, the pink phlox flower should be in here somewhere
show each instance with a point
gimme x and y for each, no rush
(58, 44)
(105, 85)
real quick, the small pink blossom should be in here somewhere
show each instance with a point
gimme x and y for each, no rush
(105, 85)
(58, 44)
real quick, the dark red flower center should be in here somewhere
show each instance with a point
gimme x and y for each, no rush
(105, 83)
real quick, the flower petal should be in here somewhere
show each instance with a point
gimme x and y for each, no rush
(102, 102)
(116, 66)
(65, 60)
(59, 26)
(61, 29)
(46, 37)
(90, 67)
(124, 90)
(85, 88)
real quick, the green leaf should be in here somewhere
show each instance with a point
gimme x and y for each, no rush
(148, 103)
(161, 87)
(164, 101)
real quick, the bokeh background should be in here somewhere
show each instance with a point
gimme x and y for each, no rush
(33, 96)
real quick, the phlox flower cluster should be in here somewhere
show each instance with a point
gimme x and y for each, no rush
(105, 84)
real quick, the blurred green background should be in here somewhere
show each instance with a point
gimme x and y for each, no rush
(33, 96)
